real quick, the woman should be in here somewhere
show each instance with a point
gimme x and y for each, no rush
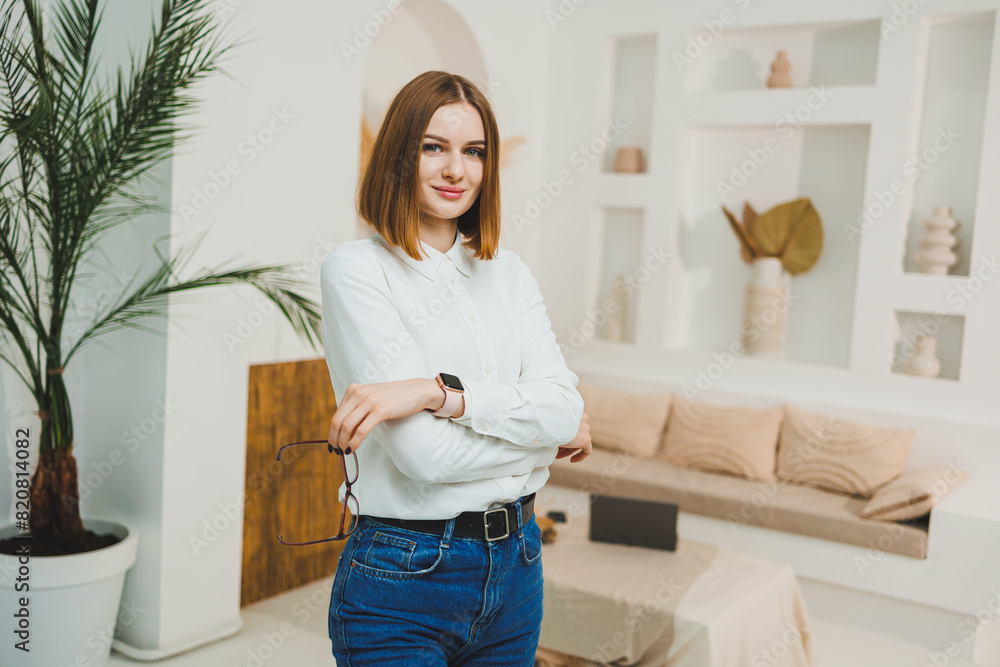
(440, 350)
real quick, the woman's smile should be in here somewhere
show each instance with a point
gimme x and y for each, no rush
(449, 192)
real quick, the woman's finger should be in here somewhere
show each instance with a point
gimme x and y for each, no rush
(365, 427)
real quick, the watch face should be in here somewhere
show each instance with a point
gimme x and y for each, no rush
(452, 382)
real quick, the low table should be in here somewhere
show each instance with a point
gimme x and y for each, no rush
(699, 606)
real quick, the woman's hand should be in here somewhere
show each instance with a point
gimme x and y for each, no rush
(580, 444)
(365, 406)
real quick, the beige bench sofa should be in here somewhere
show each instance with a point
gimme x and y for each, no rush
(781, 506)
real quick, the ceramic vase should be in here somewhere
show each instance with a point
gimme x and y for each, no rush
(628, 160)
(935, 255)
(780, 68)
(924, 362)
(765, 309)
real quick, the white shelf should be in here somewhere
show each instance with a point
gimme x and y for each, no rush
(632, 93)
(931, 294)
(779, 107)
(828, 53)
(848, 148)
(956, 79)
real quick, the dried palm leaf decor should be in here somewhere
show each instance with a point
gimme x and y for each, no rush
(792, 232)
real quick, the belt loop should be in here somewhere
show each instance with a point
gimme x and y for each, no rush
(517, 504)
(449, 528)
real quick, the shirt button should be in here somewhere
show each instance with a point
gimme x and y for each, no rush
(488, 368)
(472, 319)
(452, 281)
(485, 426)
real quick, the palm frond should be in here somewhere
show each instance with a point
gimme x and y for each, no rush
(150, 298)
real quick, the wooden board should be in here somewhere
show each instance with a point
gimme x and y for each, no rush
(297, 496)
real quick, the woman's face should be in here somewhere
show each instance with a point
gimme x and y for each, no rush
(450, 170)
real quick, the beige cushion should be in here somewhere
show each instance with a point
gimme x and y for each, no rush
(739, 502)
(839, 455)
(913, 493)
(623, 420)
(735, 440)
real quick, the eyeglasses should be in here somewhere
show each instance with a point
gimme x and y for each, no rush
(350, 477)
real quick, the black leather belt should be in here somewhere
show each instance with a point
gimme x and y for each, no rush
(493, 525)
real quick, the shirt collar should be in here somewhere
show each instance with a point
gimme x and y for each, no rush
(428, 267)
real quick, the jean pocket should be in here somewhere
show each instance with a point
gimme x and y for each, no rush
(397, 554)
(531, 542)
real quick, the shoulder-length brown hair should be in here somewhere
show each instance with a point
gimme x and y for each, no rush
(387, 196)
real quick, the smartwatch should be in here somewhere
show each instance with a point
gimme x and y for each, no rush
(453, 391)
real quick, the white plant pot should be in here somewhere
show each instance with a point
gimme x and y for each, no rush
(72, 602)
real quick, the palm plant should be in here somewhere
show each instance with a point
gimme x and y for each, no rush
(75, 149)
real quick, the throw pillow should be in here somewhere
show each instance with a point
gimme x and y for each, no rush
(624, 421)
(913, 493)
(840, 455)
(738, 441)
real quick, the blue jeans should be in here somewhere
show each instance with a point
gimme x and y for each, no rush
(401, 597)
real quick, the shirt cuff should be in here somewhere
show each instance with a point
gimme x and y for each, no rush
(466, 418)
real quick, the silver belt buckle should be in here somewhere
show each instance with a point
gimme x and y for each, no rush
(486, 524)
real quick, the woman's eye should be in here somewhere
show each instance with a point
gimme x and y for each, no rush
(476, 152)
(430, 147)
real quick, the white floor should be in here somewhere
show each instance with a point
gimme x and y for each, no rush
(290, 630)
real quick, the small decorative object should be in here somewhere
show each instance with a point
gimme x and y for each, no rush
(614, 328)
(780, 68)
(786, 238)
(924, 361)
(548, 527)
(628, 160)
(935, 255)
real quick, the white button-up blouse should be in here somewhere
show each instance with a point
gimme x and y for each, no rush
(387, 316)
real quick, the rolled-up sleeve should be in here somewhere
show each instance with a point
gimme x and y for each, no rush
(544, 407)
(365, 341)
